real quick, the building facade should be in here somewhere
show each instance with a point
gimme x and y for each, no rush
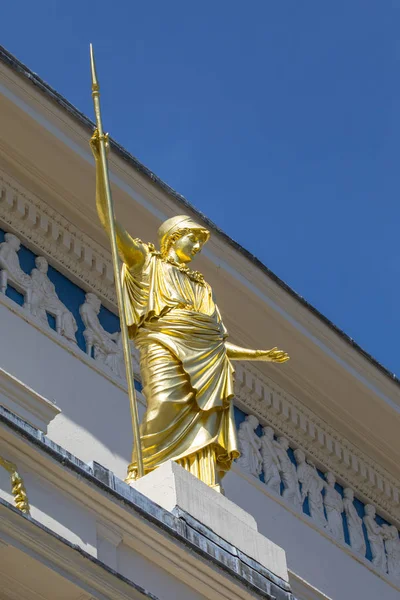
(319, 470)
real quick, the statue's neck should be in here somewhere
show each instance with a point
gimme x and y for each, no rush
(172, 255)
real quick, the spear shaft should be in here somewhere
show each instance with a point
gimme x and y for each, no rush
(116, 266)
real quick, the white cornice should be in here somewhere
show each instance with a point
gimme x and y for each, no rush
(302, 589)
(141, 535)
(25, 402)
(155, 543)
(61, 558)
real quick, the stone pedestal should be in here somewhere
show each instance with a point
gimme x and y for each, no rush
(178, 491)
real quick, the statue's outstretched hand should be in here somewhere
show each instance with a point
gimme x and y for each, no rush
(274, 355)
(95, 144)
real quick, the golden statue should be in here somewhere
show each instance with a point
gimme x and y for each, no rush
(185, 358)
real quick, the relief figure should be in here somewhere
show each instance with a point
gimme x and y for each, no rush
(104, 344)
(10, 269)
(334, 507)
(311, 487)
(376, 538)
(270, 461)
(354, 523)
(249, 446)
(45, 300)
(392, 546)
(287, 470)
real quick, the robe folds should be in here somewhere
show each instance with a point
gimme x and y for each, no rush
(186, 374)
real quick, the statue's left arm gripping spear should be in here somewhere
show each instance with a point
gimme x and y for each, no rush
(116, 265)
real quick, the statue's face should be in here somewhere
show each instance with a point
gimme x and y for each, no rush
(42, 265)
(187, 246)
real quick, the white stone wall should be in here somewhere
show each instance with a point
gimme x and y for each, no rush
(152, 577)
(145, 546)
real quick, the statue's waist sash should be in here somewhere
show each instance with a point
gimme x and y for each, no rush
(198, 341)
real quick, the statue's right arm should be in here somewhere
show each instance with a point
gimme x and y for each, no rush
(132, 252)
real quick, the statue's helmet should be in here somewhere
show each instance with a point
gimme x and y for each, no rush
(175, 226)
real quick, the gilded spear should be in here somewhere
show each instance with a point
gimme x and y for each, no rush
(116, 266)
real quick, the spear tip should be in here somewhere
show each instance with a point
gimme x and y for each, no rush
(95, 83)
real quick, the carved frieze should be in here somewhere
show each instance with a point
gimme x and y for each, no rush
(257, 395)
(54, 236)
(106, 347)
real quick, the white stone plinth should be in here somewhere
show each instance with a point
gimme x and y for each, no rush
(170, 486)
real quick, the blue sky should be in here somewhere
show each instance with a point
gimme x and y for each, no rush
(279, 120)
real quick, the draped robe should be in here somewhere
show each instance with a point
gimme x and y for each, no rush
(186, 374)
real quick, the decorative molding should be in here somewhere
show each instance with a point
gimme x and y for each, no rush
(57, 238)
(258, 395)
(17, 486)
(297, 480)
(25, 402)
